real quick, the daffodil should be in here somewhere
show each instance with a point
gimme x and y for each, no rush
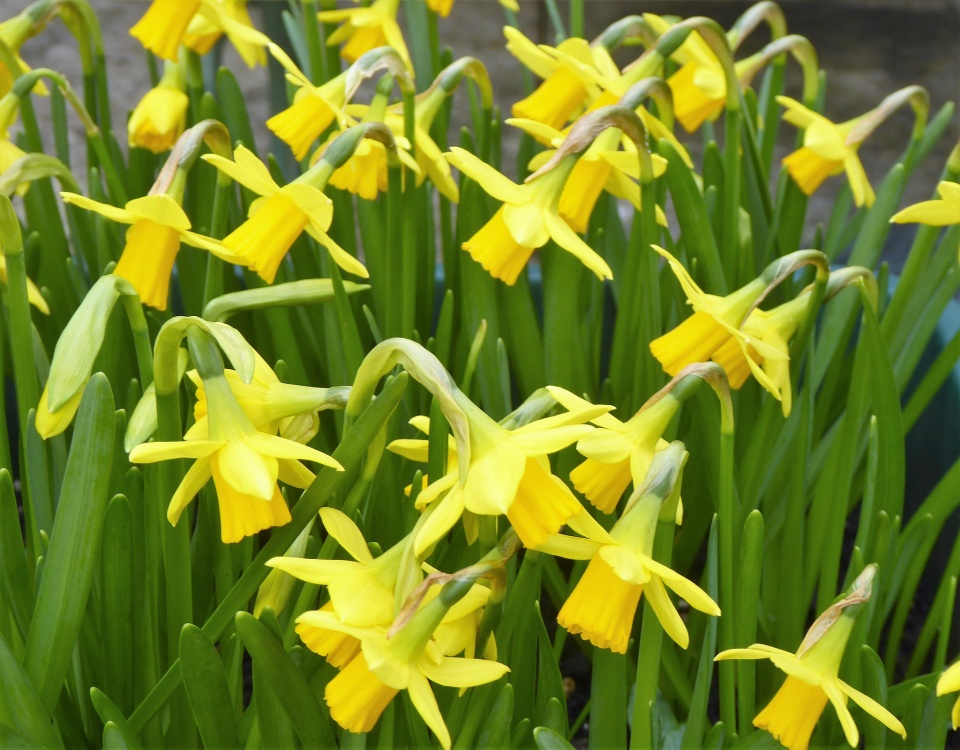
(949, 682)
(272, 405)
(278, 217)
(528, 219)
(603, 166)
(13, 33)
(160, 117)
(774, 329)
(162, 27)
(812, 677)
(602, 605)
(365, 172)
(564, 89)
(157, 227)
(716, 322)
(828, 149)
(509, 475)
(939, 212)
(407, 659)
(206, 28)
(313, 109)
(244, 463)
(442, 7)
(618, 453)
(366, 28)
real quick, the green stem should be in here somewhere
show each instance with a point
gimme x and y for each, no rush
(556, 20)
(727, 516)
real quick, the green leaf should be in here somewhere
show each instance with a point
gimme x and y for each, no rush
(286, 681)
(110, 714)
(20, 706)
(15, 578)
(74, 544)
(116, 596)
(496, 728)
(205, 681)
(276, 730)
(547, 739)
(113, 738)
(745, 623)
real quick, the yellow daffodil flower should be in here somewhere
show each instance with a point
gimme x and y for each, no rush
(272, 405)
(365, 172)
(508, 475)
(162, 27)
(940, 212)
(812, 678)
(366, 28)
(243, 462)
(278, 217)
(601, 167)
(618, 453)
(442, 7)
(158, 226)
(160, 117)
(602, 605)
(773, 328)
(715, 322)
(314, 108)
(408, 659)
(564, 88)
(528, 219)
(949, 682)
(206, 28)
(14, 32)
(828, 149)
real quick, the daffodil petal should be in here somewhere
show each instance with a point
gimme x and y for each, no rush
(148, 453)
(832, 689)
(494, 183)
(160, 209)
(935, 213)
(873, 708)
(665, 611)
(320, 572)
(574, 403)
(196, 476)
(248, 470)
(342, 528)
(119, 215)
(585, 525)
(569, 547)
(461, 672)
(685, 588)
(441, 519)
(570, 241)
(278, 447)
(425, 702)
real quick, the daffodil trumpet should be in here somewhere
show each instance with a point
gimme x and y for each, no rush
(618, 453)
(367, 28)
(813, 676)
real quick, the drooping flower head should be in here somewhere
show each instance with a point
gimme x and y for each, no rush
(243, 462)
(715, 322)
(160, 117)
(509, 475)
(157, 227)
(603, 166)
(528, 219)
(278, 217)
(602, 605)
(812, 676)
(367, 28)
(313, 109)
(227, 17)
(162, 27)
(564, 88)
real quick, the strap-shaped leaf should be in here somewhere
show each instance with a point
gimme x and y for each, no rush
(205, 681)
(272, 662)
(20, 708)
(14, 574)
(74, 544)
